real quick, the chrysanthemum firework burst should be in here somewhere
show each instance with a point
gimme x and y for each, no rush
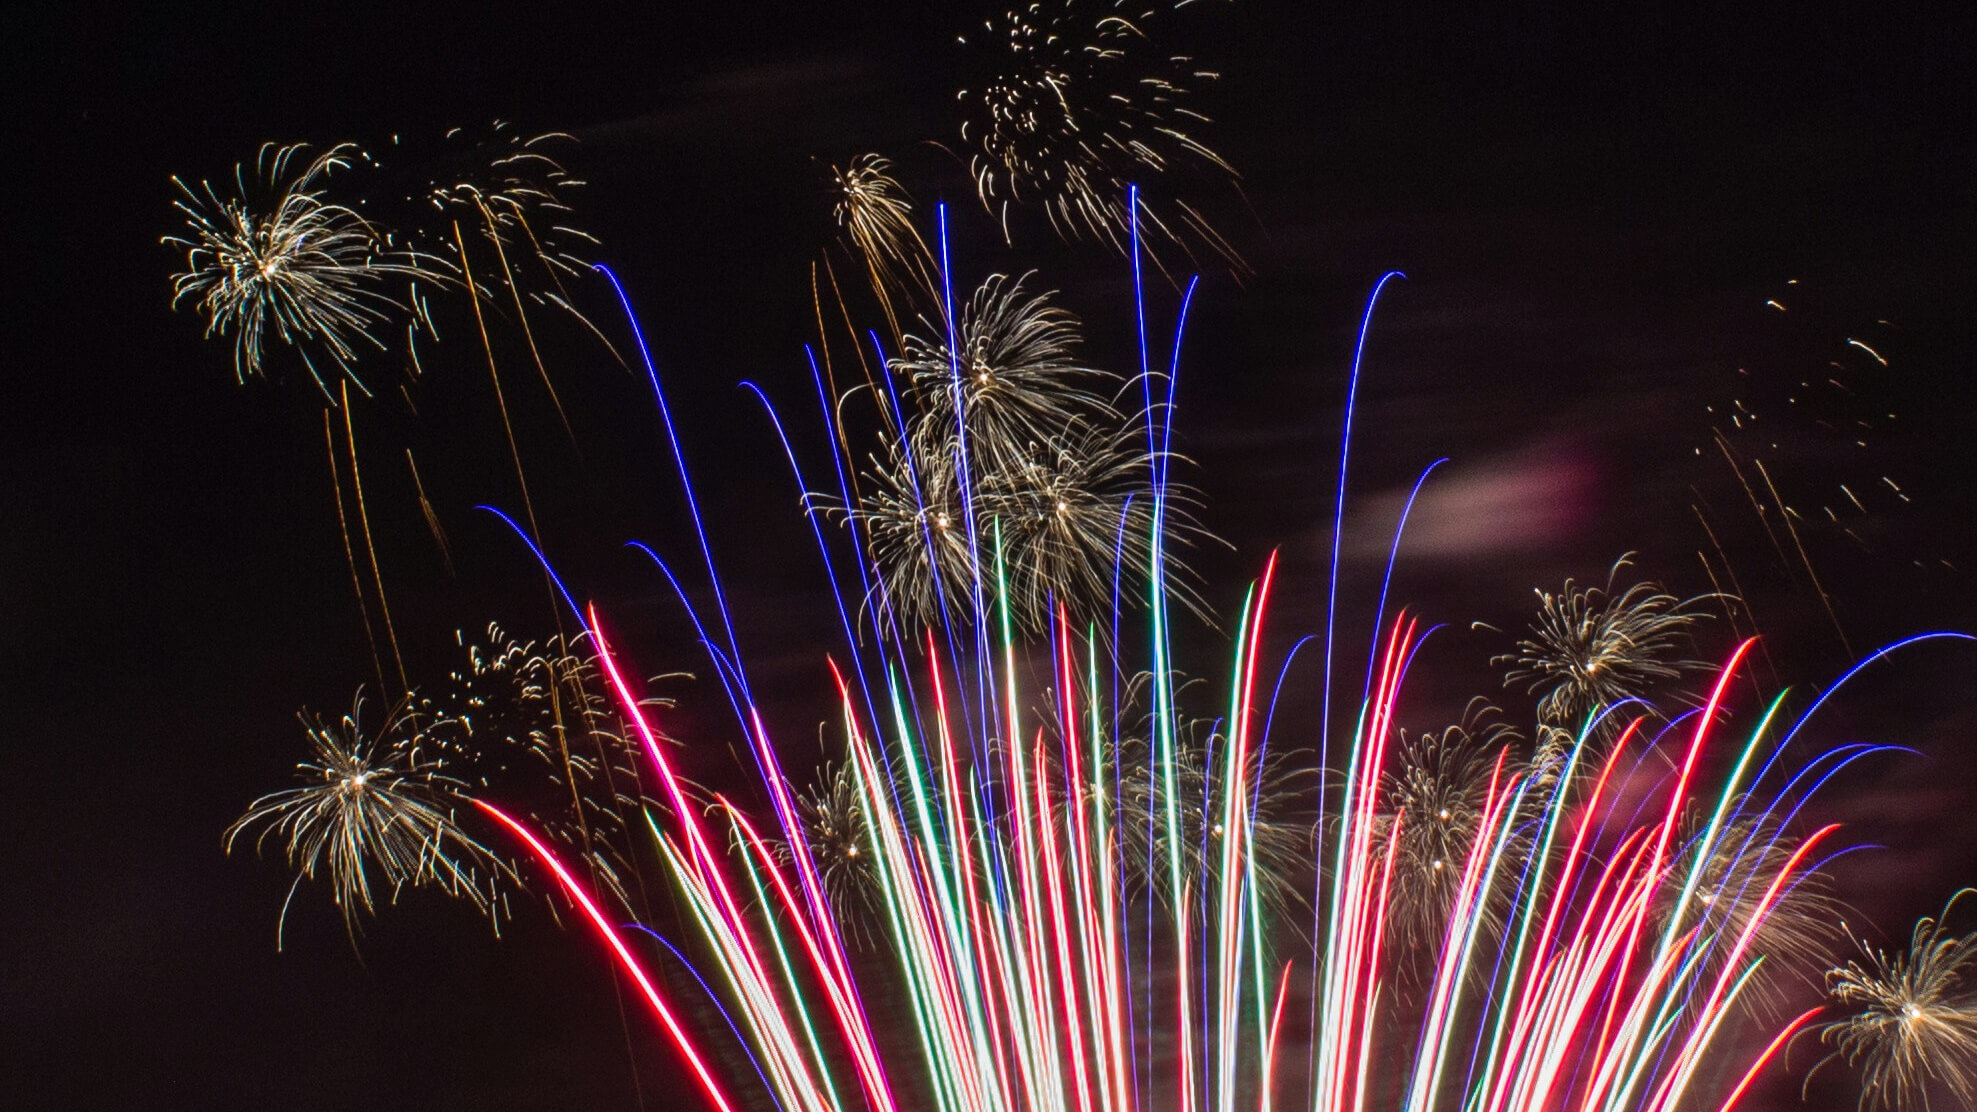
(529, 723)
(1433, 799)
(1075, 104)
(876, 216)
(1013, 374)
(509, 189)
(279, 262)
(1006, 436)
(1590, 648)
(915, 528)
(1717, 887)
(1909, 1022)
(369, 803)
(1279, 836)
(525, 722)
(1065, 514)
(841, 845)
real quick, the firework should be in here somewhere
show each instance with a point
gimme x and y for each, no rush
(1074, 874)
(527, 722)
(1279, 832)
(1076, 103)
(840, 843)
(985, 901)
(1910, 1018)
(1006, 438)
(368, 802)
(1434, 797)
(1069, 514)
(916, 530)
(1591, 648)
(322, 254)
(514, 188)
(510, 191)
(877, 217)
(1035, 970)
(1014, 374)
(1795, 933)
(1793, 462)
(531, 722)
(278, 262)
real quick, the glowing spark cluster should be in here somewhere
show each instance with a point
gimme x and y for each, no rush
(877, 216)
(1076, 103)
(1909, 1020)
(276, 261)
(1795, 935)
(530, 724)
(1006, 434)
(369, 803)
(1279, 834)
(1591, 648)
(1434, 795)
(323, 254)
(840, 843)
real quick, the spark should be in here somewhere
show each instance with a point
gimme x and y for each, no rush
(1074, 104)
(278, 262)
(1909, 1018)
(1590, 648)
(369, 803)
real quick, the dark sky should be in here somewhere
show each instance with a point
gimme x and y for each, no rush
(1591, 214)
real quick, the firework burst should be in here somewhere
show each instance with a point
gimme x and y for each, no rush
(876, 216)
(1076, 104)
(513, 193)
(841, 846)
(1910, 1018)
(1279, 835)
(1793, 934)
(1014, 375)
(529, 722)
(1591, 648)
(278, 262)
(915, 526)
(368, 802)
(322, 254)
(1007, 437)
(1434, 797)
(523, 721)
(1053, 524)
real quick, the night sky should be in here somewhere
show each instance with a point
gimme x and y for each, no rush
(1591, 216)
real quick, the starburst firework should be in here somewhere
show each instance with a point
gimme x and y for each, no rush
(841, 845)
(278, 262)
(525, 722)
(529, 723)
(876, 215)
(1434, 799)
(1591, 648)
(1910, 1022)
(1006, 437)
(1075, 105)
(368, 802)
(1719, 881)
(511, 191)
